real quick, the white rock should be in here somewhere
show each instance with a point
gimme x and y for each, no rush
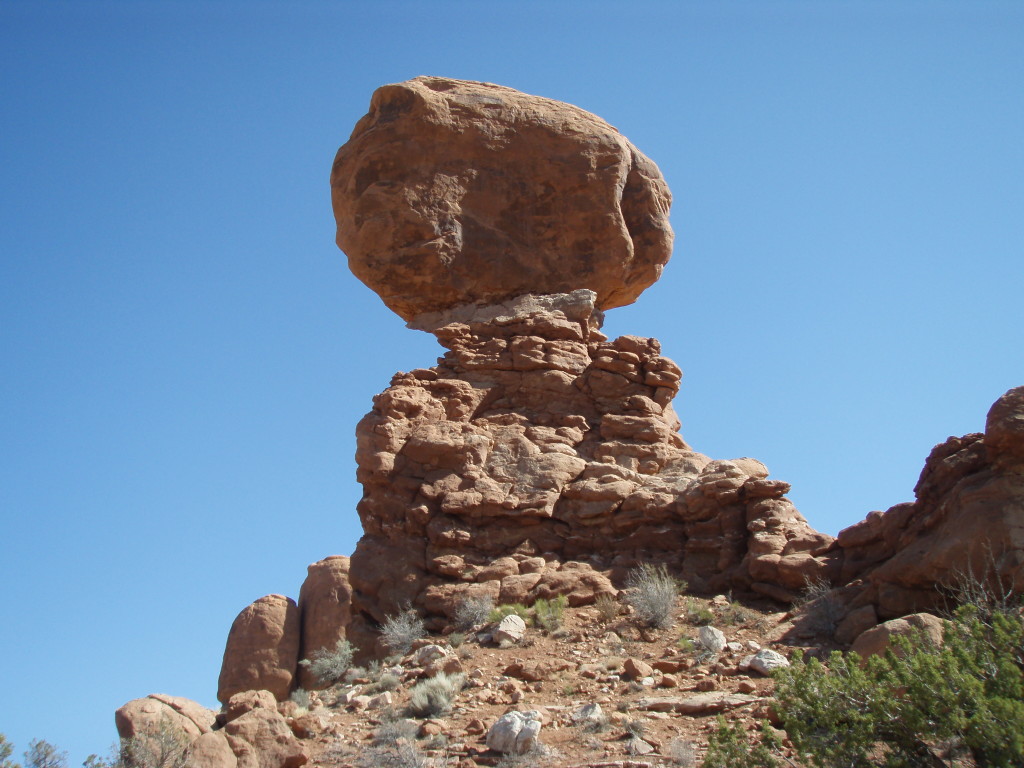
(588, 714)
(734, 647)
(753, 645)
(765, 660)
(429, 653)
(514, 733)
(380, 701)
(511, 628)
(711, 638)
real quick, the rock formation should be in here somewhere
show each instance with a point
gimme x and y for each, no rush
(451, 192)
(967, 522)
(540, 458)
(503, 224)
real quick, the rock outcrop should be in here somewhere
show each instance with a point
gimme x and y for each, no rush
(966, 524)
(262, 651)
(452, 192)
(325, 609)
(538, 456)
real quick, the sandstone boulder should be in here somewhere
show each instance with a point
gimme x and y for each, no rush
(159, 724)
(325, 605)
(877, 640)
(452, 192)
(271, 740)
(262, 650)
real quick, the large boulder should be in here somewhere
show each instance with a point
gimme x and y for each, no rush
(453, 192)
(325, 605)
(160, 725)
(262, 650)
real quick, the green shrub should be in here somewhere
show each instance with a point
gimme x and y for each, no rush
(328, 667)
(729, 747)
(652, 594)
(967, 697)
(698, 614)
(42, 754)
(401, 631)
(472, 611)
(548, 614)
(499, 613)
(434, 697)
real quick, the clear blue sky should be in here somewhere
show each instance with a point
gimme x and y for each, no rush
(185, 355)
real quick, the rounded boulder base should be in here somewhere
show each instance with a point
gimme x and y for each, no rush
(262, 651)
(455, 192)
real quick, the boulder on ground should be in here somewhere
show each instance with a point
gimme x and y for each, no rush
(262, 651)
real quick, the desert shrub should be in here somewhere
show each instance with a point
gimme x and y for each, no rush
(42, 754)
(966, 697)
(686, 644)
(388, 681)
(697, 613)
(607, 607)
(729, 747)
(434, 697)
(819, 604)
(301, 697)
(166, 747)
(6, 748)
(734, 613)
(401, 631)
(393, 729)
(507, 609)
(455, 639)
(401, 752)
(328, 667)
(652, 594)
(682, 753)
(548, 614)
(472, 611)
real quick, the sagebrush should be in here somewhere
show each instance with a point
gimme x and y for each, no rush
(651, 592)
(330, 666)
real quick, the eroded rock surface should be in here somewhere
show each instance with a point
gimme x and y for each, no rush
(262, 650)
(537, 457)
(453, 192)
(967, 523)
(325, 610)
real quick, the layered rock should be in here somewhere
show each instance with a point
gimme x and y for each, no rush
(452, 192)
(967, 522)
(538, 455)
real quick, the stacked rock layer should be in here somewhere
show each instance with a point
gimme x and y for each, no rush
(537, 458)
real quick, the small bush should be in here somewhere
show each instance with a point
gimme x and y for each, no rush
(328, 667)
(607, 607)
(473, 611)
(166, 747)
(401, 631)
(686, 644)
(42, 754)
(821, 607)
(301, 697)
(636, 727)
(403, 753)
(698, 614)
(455, 639)
(652, 594)
(682, 753)
(394, 728)
(967, 696)
(508, 609)
(548, 614)
(434, 697)
(729, 747)
(734, 613)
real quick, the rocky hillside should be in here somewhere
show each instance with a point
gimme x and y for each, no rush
(541, 463)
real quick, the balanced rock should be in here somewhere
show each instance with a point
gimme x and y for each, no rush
(452, 192)
(262, 651)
